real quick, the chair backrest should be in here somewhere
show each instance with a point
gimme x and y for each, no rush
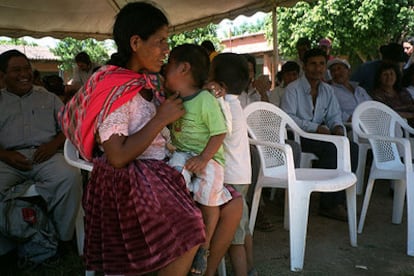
(375, 118)
(72, 157)
(266, 122)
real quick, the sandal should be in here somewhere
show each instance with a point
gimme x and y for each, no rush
(263, 224)
(199, 265)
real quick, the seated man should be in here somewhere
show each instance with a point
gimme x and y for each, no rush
(30, 140)
(348, 94)
(313, 106)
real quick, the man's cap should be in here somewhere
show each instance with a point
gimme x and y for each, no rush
(325, 42)
(338, 61)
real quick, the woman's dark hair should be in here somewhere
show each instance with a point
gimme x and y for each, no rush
(6, 56)
(251, 59)
(387, 66)
(231, 70)
(408, 76)
(197, 57)
(409, 40)
(137, 18)
(315, 52)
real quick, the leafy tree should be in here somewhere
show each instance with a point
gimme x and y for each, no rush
(68, 48)
(17, 41)
(249, 28)
(357, 27)
(196, 36)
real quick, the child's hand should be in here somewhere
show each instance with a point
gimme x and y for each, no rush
(216, 89)
(196, 164)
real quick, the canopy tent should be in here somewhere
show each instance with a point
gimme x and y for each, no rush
(81, 19)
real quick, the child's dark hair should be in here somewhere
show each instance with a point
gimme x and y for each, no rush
(197, 57)
(315, 52)
(136, 18)
(231, 70)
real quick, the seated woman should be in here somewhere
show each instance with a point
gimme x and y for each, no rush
(388, 90)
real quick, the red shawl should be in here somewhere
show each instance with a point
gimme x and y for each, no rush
(106, 90)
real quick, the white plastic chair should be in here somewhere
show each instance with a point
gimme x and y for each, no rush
(392, 160)
(266, 126)
(72, 158)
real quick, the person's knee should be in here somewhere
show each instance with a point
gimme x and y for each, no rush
(234, 209)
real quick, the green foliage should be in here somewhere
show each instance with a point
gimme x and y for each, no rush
(248, 28)
(68, 48)
(356, 27)
(16, 41)
(196, 36)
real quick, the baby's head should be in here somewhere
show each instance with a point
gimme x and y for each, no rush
(231, 71)
(189, 57)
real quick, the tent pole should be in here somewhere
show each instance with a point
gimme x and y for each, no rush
(275, 46)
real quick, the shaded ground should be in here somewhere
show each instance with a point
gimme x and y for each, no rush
(381, 248)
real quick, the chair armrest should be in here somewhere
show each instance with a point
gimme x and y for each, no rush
(286, 149)
(342, 146)
(404, 142)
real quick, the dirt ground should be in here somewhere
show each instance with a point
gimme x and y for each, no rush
(381, 247)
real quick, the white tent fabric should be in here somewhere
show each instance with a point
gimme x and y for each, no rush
(94, 18)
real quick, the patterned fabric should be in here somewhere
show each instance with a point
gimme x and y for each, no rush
(207, 187)
(106, 90)
(138, 218)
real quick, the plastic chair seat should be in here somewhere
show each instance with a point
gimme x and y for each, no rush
(323, 180)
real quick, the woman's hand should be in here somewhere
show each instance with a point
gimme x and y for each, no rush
(171, 109)
(216, 89)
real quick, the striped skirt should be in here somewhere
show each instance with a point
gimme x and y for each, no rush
(139, 218)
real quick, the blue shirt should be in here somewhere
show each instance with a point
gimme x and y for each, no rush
(347, 100)
(297, 103)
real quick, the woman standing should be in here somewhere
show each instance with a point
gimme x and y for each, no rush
(139, 215)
